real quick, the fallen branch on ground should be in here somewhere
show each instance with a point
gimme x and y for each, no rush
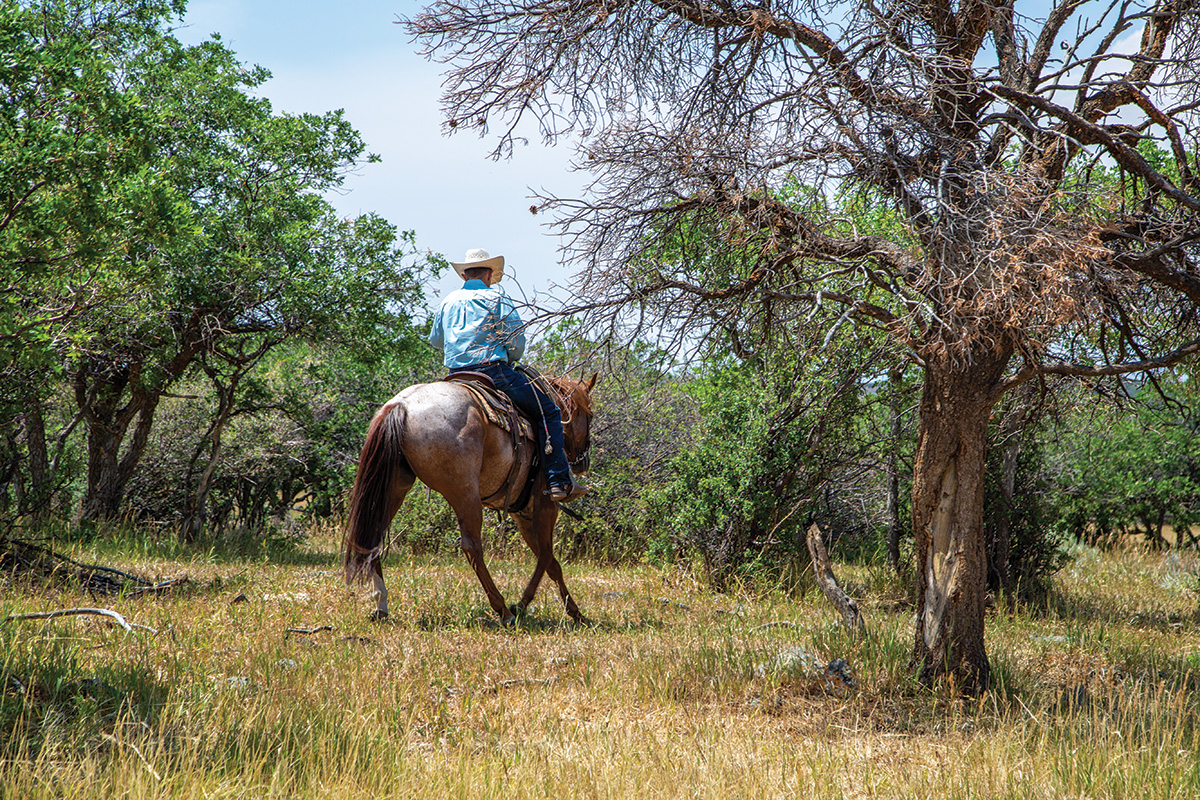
(28, 558)
(156, 588)
(779, 623)
(310, 631)
(72, 612)
(518, 682)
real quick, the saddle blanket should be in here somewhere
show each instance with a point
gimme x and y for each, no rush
(496, 407)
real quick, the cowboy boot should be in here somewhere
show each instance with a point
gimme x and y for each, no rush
(565, 493)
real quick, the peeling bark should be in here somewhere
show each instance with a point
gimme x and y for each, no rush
(942, 558)
(948, 490)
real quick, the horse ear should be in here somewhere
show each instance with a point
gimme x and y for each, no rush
(592, 382)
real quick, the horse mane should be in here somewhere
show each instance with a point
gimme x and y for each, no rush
(565, 387)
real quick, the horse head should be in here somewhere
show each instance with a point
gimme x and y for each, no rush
(576, 406)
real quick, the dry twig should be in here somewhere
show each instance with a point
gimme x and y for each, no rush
(135, 749)
(779, 623)
(310, 631)
(508, 684)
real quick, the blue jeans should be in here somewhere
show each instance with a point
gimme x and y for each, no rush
(534, 404)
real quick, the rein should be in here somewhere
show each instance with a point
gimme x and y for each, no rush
(565, 402)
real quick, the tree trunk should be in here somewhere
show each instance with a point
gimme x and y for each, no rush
(38, 497)
(109, 469)
(100, 387)
(947, 505)
(1160, 540)
(893, 491)
(196, 516)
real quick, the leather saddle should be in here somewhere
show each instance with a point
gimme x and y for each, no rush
(500, 410)
(497, 406)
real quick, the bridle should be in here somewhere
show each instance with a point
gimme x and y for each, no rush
(581, 464)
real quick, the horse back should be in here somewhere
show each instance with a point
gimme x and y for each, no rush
(452, 443)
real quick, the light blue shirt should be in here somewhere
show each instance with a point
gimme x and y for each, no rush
(476, 324)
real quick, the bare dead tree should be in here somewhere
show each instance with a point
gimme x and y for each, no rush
(1041, 161)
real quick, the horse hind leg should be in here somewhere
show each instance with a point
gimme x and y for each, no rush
(470, 525)
(402, 483)
(380, 592)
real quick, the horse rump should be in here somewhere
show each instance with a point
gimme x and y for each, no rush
(371, 499)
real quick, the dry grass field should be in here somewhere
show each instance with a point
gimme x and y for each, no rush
(671, 692)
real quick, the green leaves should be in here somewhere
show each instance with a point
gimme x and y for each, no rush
(1132, 470)
(774, 433)
(155, 215)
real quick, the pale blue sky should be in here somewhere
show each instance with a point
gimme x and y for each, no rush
(349, 54)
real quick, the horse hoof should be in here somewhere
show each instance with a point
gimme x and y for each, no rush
(517, 611)
(377, 616)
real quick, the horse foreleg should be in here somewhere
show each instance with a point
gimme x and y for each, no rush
(529, 528)
(538, 532)
(470, 525)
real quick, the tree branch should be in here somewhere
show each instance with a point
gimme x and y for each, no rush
(823, 569)
(1082, 371)
(1090, 133)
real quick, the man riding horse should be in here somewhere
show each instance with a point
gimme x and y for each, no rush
(440, 434)
(478, 329)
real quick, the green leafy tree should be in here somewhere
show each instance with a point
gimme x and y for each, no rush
(84, 205)
(642, 419)
(256, 258)
(1132, 468)
(778, 445)
(291, 441)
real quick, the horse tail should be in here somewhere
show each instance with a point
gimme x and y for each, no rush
(370, 499)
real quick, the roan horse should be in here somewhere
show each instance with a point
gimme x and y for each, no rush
(437, 432)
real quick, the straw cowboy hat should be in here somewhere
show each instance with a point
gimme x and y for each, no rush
(480, 258)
